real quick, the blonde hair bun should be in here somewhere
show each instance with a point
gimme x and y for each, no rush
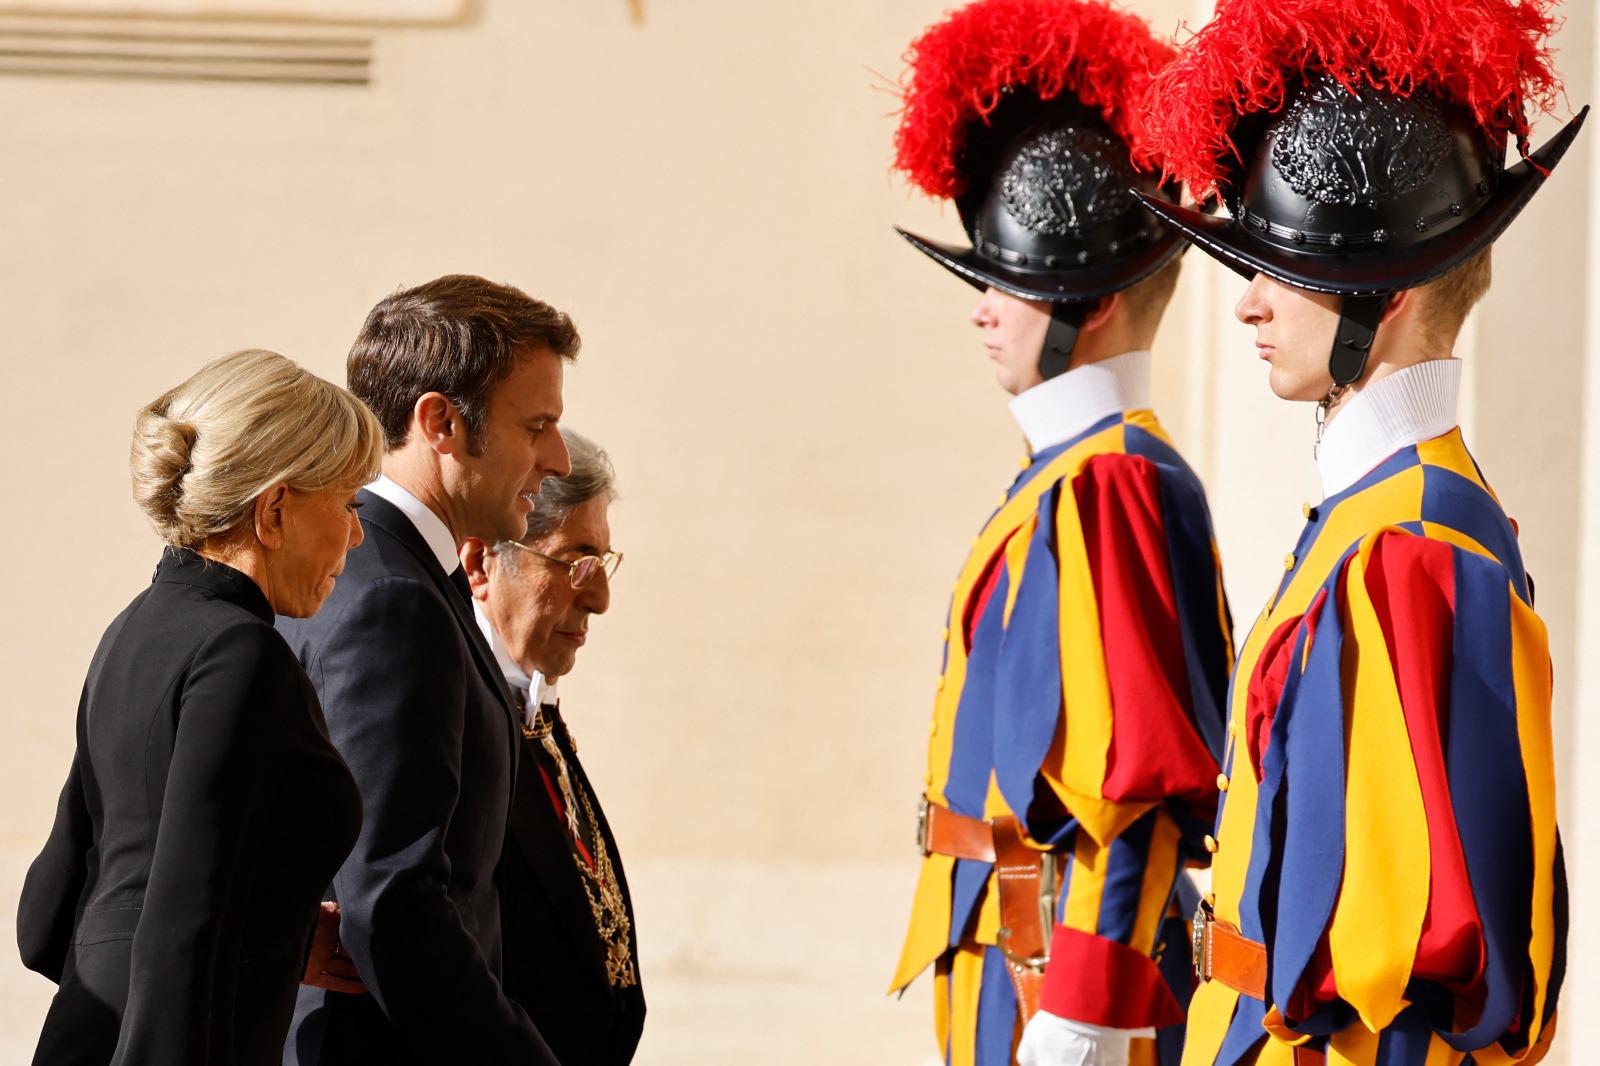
(162, 455)
(204, 451)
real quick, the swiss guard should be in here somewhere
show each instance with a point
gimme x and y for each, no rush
(1078, 723)
(1389, 886)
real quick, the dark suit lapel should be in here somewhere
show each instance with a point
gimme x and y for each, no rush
(541, 834)
(379, 512)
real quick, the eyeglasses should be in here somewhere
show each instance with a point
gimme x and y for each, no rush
(581, 571)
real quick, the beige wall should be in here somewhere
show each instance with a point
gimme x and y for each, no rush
(805, 433)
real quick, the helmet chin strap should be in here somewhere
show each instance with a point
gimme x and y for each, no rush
(1352, 345)
(1066, 319)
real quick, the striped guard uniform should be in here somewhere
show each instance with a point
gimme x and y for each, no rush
(1388, 829)
(1085, 668)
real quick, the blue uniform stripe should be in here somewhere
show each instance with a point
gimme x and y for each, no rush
(1126, 861)
(1405, 1042)
(972, 747)
(1488, 787)
(970, 755)
(1244, 1032)
(1455, 501)
(1028, 678)
(1045, 456)
(966, 886)
(1291, 896)
(997, 1012)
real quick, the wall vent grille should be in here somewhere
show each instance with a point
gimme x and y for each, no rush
(172, 52)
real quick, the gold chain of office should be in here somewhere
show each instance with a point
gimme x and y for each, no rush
(600, 882)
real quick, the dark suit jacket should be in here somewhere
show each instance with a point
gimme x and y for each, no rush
(419, 710)
(555, 958)
(203, 815)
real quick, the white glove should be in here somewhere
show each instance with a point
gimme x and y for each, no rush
(1050, 1040)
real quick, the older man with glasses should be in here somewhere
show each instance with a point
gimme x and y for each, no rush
(566, 917)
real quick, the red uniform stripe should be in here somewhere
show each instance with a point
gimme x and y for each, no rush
(1155, 751)
(1412, 584)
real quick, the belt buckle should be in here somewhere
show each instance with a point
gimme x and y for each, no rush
(1200, 940)
(922, 825)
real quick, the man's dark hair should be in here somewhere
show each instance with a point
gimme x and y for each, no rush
(458, 335)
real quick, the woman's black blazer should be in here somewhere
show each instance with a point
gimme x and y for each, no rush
(204, 814)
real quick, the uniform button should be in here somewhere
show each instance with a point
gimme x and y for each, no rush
(1222, 782)
(1288, 561)
(939, 684)
(1211, 898)
(1233, 729)
(1001, 502)
(1211, 843)
(1025, 462)
(944, 634)
(975, 541)
(1305, 509)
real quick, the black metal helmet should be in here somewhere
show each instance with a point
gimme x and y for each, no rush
(1050, 208)
(1362, 192)
(1359, 145)
(1024, 112)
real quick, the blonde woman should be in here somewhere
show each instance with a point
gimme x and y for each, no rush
(206, 810)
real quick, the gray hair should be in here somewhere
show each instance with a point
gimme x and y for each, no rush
(592, 477)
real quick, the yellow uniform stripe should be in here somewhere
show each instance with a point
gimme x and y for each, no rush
(1442, 1054)
(1016, 563)
(929, 930)
(1435, 531)
(1353, 1046)
(1530, 658)
(1088, 884)
(1011, 516)
(1377, 920)
(965, 985)
(1076, 770)
(1160, 871)
(1210, 1014)
(1448, 452)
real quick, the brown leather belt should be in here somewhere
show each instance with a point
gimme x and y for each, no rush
(1027, 885)
(941, 831)
(1223, 954)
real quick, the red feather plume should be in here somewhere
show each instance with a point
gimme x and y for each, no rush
(958, 68)
(1490, 56)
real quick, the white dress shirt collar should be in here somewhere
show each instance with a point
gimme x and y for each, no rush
(536, 691)
(515, 675)
(434, 532)
(1394, 412)
(543, 690)
(1066, 405)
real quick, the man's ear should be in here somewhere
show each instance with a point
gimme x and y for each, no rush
(435, 419)
(1399, 303)
(476, 559)
(270, 518)
(1102, 311)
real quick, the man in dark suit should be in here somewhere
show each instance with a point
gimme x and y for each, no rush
(465, 377)
(570, 944)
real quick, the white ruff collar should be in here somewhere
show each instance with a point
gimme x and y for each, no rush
(1064, 406)
(1394, 412)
